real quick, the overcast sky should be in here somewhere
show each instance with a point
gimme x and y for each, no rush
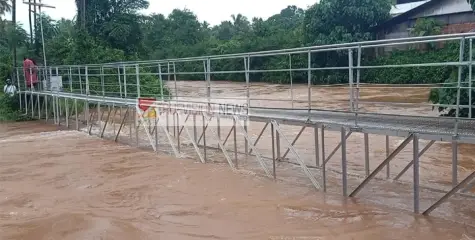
(212, 11)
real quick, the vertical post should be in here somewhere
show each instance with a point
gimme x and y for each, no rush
(324, 172)
(76, 113)
(366, 154)
(70, 79)
(58, 105)
(388, 167)
(19, 88)
(235, 142)
(119, 81)
(343, 162)
(317, 147)
(39, 105)
(459, 83)
(247, 66)
(470, 76)
(103, 82)
(169, 102)
(156, 130)
(350, 79)
(31, 93)
(47, 112)
(195, 131)
(277, 139)
(176, 130)
(309, 82)
(358, 80)
(80, 80)
(273, 150)
(175, 79)
(454, 163)
(204, 138)
(136, 127)
(66, 103)
(137, 74)
(161, 80)
(87, 93)
(291, 81)
(137, 124)
(125, 80)
(415, 151)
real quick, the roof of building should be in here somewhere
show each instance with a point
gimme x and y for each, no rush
(404, 7)
(419, 7)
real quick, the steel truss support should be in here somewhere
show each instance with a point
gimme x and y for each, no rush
(107, 120)
(409, 165)
(214, 135)
(469, 187)
(147, 130)
(167, 134)
(337, 147)
(382, 165)
(454, 190)
(192, 139)
(203, 134)
(253, 147)
(122, 124)
(302, 163)
(90, 122)
(259, 137)
(294, 141)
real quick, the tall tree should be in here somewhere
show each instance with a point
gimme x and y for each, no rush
(5, 7)
(336, 21)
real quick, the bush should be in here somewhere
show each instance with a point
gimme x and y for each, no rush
(413, 75)
(10, 109)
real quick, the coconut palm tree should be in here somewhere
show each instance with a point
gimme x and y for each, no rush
(5, 7)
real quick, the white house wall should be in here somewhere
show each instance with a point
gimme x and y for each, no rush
(445, 7)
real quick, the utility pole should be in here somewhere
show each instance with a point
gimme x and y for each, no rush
(35, 23)
(40, 5)
(14, 34)
(31, 24)
(83, 14)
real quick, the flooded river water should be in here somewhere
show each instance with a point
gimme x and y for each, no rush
(63, 184)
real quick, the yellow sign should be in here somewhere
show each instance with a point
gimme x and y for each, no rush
(151, 113)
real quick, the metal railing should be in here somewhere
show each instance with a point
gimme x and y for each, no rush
(168, 79)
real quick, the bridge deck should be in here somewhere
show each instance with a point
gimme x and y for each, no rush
(433, 128)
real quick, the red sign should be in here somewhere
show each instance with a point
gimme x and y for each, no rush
(145, 103)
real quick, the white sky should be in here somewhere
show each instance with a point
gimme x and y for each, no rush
(212, 11)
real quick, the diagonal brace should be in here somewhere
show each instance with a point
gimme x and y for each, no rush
(294, 141)
(122, 124)
(214, 135)
(337, 148)
(450, 193)
(302, 164)
(383, 164)
(260, 135)
(253, 147)
(412, 162)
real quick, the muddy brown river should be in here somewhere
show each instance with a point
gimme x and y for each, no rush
(57, 183)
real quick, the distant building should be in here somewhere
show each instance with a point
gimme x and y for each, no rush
(456, 15)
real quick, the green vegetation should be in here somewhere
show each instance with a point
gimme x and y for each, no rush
(9, 109)
(112, 31)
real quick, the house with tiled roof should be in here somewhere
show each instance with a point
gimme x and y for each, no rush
(456, 16)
